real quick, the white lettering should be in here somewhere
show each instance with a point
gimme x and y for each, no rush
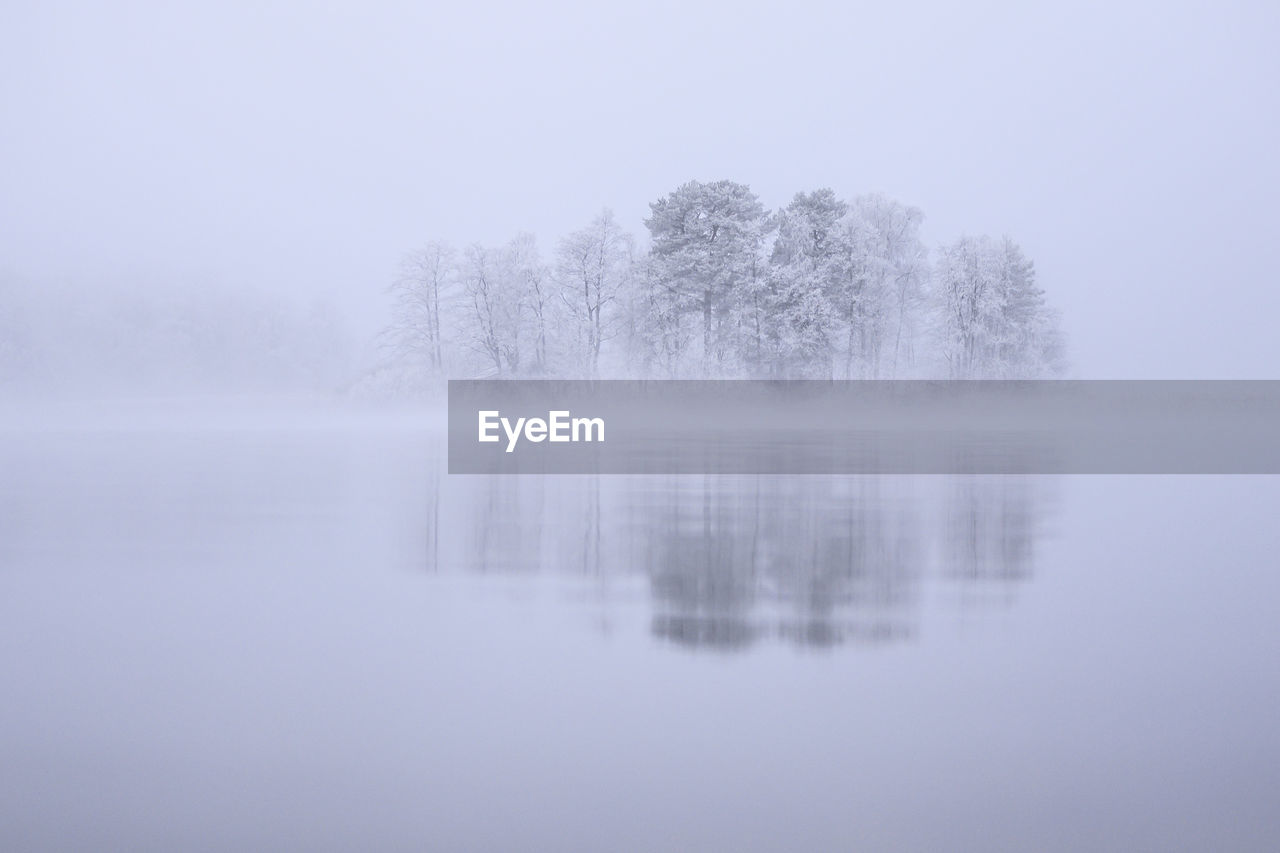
(513, 435)
(558, 426)
(587, 424)
(486, 425)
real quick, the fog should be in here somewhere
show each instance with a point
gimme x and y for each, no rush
(296, 152)
(244, 605)
(229, 638)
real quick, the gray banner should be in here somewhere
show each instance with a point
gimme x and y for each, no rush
(871, 427)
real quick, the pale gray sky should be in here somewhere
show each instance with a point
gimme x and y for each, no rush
(302, 147)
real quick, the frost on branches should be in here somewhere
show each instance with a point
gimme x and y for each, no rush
(821, 288)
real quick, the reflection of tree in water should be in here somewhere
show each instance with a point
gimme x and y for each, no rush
(733, 561)
(991, 525)
(702, 560)
(497, 524)
(506, 524)
(815, 561)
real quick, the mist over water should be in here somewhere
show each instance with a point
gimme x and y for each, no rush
(284, 634)
(244, 606)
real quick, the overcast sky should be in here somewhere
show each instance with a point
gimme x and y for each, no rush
(302, 147)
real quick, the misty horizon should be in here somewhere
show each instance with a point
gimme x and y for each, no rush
(158, 152)
(270, 271)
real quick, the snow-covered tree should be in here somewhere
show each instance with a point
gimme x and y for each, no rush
(506, 317)
(527, 287)
(661, 328)
(844, 290)
(705, 251)
(593, 267)
(494, 312)
(879, 291)
(428, 279)
(804, 272)
(993, 320)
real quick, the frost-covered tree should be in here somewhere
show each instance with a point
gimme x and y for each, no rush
(993, 320)
(428, 279)
(843, 291)
(896, 264)
(527, 287)
(804, 273)
(492, 321)
(507, 313)
(879, 291)
(705, 253)
(661, 329)
(593, 266)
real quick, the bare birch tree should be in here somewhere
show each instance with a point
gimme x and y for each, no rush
(427, 279)
(527, 289)
(489, 333)
(593, 266)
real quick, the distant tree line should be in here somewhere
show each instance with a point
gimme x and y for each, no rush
(821, 288)
(179, 337)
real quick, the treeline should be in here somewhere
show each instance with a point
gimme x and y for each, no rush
(821, 288)
(169, 337)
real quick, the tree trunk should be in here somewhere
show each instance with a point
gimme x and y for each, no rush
(706, 330)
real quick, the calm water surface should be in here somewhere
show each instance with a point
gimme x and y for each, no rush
(276, 636)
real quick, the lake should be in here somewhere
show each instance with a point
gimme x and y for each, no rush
(302, 633)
